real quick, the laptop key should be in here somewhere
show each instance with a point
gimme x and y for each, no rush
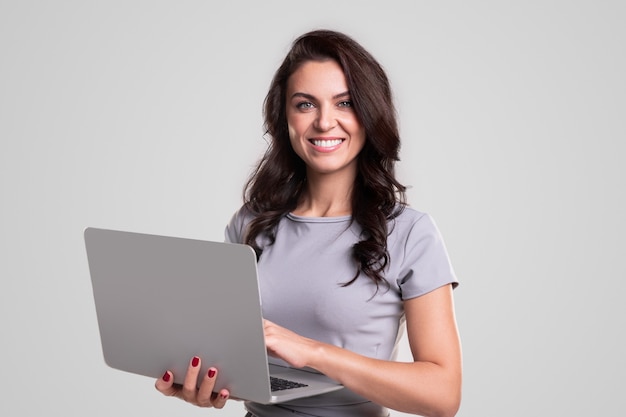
(279, 384)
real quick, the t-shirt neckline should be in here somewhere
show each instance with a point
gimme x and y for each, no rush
(307, 219)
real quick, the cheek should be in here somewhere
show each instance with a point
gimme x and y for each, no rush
(292, 132)
(296, 134)
(362, 140)
(359, 136)
(294, 139)
(298, 124)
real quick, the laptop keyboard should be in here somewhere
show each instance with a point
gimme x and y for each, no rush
(279, 384)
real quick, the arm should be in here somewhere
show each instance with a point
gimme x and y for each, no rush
(428, 386)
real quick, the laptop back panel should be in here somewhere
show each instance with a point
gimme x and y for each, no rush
(158, 304)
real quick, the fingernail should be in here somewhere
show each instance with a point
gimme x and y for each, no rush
(166, 376)
(195, 361)
(211, 373)
(224, 396)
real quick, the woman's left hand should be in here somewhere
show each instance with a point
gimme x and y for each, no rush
(284, 344)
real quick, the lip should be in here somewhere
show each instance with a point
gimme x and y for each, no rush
(326, 148)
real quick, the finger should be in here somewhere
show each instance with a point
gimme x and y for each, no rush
(268, 327)
(205, 392)
(190, 384)
(165, 384)
(220, 400)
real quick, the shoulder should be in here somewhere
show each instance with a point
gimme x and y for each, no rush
(412, 226)
(236, 227)
(414, 233)
(420, 254)
(407, 219)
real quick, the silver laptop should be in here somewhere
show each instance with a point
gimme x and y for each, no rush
(161, 300)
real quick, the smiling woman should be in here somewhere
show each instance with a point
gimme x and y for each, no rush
(345, 266)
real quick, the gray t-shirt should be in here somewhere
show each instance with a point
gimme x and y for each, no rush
(301, 277)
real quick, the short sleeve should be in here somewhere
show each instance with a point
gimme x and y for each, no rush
(425, 264)
(235, 229)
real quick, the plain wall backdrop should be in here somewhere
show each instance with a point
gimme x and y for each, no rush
(146, 116)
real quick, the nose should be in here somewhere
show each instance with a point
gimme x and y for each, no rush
(325, 119)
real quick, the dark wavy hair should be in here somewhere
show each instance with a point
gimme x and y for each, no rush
(276, 184)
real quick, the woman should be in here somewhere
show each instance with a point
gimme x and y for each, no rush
(345, 265)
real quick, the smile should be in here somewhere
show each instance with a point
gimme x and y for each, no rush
(326, 143)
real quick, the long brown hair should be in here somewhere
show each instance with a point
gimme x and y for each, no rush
(277, 182)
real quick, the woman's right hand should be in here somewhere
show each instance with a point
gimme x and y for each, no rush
(189, 391)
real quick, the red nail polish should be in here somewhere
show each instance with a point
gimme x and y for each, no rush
(166, 376)
(211, 373)
(195, 361)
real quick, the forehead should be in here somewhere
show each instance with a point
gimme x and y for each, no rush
(318, 77)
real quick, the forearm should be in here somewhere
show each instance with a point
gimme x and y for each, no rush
(430, 386)
(423, 388)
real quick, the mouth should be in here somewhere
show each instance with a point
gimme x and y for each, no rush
(326, 143)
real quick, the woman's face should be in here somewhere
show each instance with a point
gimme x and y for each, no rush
(323, 128)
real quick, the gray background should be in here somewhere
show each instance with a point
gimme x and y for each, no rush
(146, 115)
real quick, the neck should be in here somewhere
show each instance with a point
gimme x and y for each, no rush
(326, 196)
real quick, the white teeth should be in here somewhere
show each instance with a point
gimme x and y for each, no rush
(326, 143)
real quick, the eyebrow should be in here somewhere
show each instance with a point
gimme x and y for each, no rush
(310, 97)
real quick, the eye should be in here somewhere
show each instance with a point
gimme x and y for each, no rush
(304, 105)
(345, 103)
